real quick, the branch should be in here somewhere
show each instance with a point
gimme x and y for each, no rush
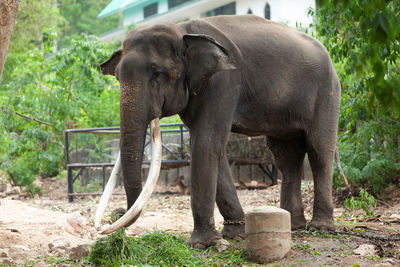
(27, 117)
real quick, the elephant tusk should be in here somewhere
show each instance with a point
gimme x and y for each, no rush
(151, 181)
(105, 198)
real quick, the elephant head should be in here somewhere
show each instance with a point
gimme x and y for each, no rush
(158, 68)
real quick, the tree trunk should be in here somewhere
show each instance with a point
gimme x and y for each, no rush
(8, 14)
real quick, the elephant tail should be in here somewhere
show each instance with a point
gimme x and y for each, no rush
(337, 158)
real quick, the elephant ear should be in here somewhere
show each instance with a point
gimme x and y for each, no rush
(205, 56)
(108, 67)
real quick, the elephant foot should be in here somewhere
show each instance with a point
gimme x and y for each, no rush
(320, 224)
(298, 222)
(202, 239)
(233, 231)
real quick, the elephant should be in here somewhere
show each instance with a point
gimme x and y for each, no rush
(222, 74)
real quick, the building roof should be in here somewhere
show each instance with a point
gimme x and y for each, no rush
(118, 5)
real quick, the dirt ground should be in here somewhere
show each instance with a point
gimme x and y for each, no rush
(32, 231)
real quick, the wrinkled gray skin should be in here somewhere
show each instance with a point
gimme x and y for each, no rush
(242, 74)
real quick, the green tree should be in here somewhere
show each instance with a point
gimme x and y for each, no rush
(47, 94)
(34, 17)
(363, 39)
(364, 36)
(82, 18)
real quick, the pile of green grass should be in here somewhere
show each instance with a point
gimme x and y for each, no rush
(159, 249)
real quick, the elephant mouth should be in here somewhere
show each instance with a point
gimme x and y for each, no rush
(151, 181)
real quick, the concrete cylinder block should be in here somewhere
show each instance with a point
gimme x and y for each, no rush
(268, 234)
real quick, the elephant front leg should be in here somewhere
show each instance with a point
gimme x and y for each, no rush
(203, 187)
(228, 202)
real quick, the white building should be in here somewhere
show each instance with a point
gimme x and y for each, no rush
(289, 12)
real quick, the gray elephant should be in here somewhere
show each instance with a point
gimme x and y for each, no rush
(223, 74)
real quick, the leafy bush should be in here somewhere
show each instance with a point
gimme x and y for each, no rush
(375, 172)
(47, 93)
(364, 202)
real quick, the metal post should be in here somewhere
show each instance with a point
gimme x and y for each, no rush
(69, 170)
(181, 131)
(67, 147)
(70, 185)
(104, 176)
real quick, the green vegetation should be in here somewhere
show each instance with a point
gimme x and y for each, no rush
(82, 19)
(159, 249)
(47, 94)
(364, 202)
(172, 119)
(363, 38)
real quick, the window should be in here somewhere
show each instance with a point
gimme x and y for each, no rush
(174, 3)
(150, 10)
(229, 9)
(267, 11)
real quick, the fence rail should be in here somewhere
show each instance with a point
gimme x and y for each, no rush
(179, 157)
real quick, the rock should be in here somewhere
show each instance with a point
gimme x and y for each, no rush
(20, 247)
(268, 234)
(58, 245)
(78, 252)
(253, 183)
(221, 245)
(38, 183)
(59, 253)
(3, 187)
(395, 216)
(73, 223)
(365, 249)
(3, 254)
(15, 190)
(136, 230)
(24, 195)
(7, 262)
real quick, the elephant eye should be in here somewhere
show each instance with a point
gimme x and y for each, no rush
(156, 74)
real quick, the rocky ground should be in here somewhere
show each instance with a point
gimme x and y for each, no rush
(41, 230)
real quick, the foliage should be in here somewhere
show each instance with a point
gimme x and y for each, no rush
(26, 34)
(158, 249)
(362, 38)
(57, 91)
(375, 169)
(364, 202)
(82, 18)
(364, 35)
(172, 119)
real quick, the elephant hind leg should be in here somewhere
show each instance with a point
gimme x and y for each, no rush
(321, 155)
(228, 202)
(289, 157)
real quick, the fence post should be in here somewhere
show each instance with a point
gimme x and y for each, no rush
(181, 131)
(69, 170)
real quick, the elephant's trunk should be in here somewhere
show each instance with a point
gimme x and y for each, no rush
(133, 135)
(133, 122)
